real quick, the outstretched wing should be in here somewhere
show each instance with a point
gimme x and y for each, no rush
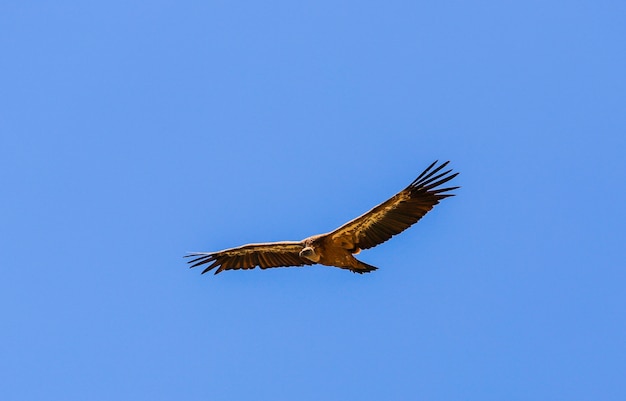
(270, 254)
(396, 214)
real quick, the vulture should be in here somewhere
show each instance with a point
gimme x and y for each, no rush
(337, 247)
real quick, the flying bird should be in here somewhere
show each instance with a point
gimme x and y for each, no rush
(337, 247)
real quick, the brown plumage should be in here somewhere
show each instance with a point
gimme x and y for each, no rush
(337, 247)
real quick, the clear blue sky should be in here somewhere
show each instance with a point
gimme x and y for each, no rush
(134, 132)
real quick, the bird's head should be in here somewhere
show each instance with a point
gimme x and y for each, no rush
(310, 254)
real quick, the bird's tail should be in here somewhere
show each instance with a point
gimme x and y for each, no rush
(361, 267)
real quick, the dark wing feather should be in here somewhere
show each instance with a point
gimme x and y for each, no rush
(398, 213)
(271, 254)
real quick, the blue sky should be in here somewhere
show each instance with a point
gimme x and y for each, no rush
(134, 132)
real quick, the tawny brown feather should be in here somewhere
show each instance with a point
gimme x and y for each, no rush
(271, 254)
(397, 213)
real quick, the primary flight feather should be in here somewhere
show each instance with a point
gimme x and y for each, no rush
(337, 247)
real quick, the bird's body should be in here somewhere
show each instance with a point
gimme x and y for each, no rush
(326, 251)
(337, 247)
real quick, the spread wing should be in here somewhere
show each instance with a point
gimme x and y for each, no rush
(396, 214)
(270, 254)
